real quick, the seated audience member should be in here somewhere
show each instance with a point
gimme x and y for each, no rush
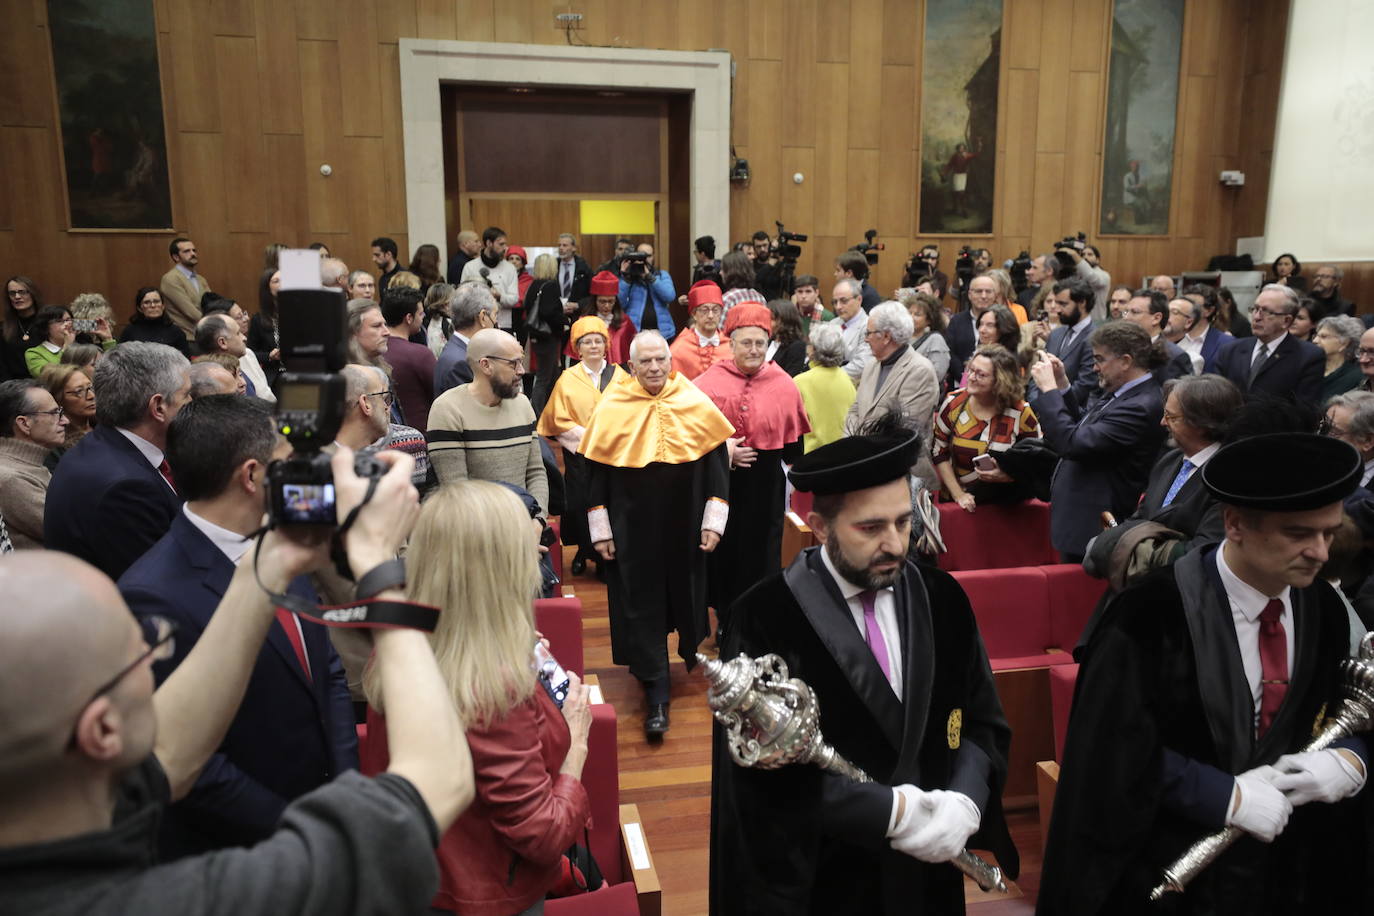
(1364, 357)
(412, 364)
(852, 322)
(22, 302)
(786, 347)
(702, 345)
(90, 756)
(1350, 418)
(209, 377)
(987, 416)
(1206, 335)
(52, 328)
(474, 309)
(150, 322)
(94, 308)
(896, 380)
(231, 365)
(1326, 293)
(575, 396)
(218, 333)
(361, 285)
(1184, 315)
(1198, 410)
(1163, 284)
(997, 327)
(31, 425)
(1339, 338)
(826, 391)
(928, 323)
(437, 325)
(293, 731)
(484, 430)
(1274, 361)
(83, 356)
(1149, 309)
(1303, 324)
(366, 428)
(254, 377)
(72, 390)
(471, 554)
(1229, 315)
(113, 496)
(1106, 447)
(263, 333)
(1287, 271)
(604, 303)
(333, 273)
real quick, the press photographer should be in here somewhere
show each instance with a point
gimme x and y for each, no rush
(1086, 261)
(646, 292)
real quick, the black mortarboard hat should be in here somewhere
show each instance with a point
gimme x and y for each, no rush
(856, 462)
(1283, 472)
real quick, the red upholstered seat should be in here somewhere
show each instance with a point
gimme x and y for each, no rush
(1073, 595)
(601, 777)
(996, 537)
(1062, 680)
(560, 620)
(1010, 606)
(1044, 660)
(616, 900)
(801, 503)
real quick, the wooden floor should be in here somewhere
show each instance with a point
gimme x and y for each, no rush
(671, 781)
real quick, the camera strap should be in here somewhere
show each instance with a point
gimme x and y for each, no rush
(369, 614)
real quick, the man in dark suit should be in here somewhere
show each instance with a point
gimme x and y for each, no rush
(1105, 448)
(294, 729)
(1197, 411)
(474, 309)
(112, 495)
(962, 331)
(1149, 308)
(1070, 341)
(1202, 336)
(1274, 361)
(574, 276)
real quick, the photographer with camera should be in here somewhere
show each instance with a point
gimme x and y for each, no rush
(1087, 266)
(646, 292)
(90, 755)
(767, 275)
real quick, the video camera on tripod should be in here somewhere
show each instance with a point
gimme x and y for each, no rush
(786, 249)
(869, 248)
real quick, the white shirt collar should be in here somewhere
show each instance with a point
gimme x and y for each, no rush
(1368, 473)
(595, 374)
(52, 347)
(463, 337)
(1245, 597)
(230, 543)
(1084, 322)
(150, 452)
(712, 341)
(1273, 344)
(1198, 338)
(1205, 455)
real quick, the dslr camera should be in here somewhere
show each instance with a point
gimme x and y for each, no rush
(313, 333)
(1018, 268)
(1078, 244)
(634, 266)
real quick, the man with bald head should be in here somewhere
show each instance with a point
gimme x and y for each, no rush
(334, 274)
(658, 481)
(90, 754)
(208, 377)
(218, 333)
(484, 430)
(294, 729)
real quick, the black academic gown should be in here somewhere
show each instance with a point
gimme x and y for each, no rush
(751, 547)
(1162, 718)
(573, 521)
(798, 840)
(657, 581)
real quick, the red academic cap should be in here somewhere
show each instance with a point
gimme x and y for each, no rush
(605, 284)
(749, 315)
(703, 292)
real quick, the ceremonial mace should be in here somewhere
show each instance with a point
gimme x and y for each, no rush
(772, 720)
(1355, 714)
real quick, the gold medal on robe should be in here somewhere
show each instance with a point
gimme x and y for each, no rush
(956, 722)
(1317, 724)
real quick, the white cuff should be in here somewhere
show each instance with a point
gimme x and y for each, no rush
(572, 438)
(716, 514)
(599, 524)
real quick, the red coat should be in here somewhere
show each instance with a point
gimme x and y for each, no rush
(505, 851)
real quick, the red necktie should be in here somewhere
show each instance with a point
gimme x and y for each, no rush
(293, 633)
(1273, 651)
(165, 470)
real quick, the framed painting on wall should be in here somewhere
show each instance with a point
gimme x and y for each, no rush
(1142, 114)
(961, 55)
(109, 102)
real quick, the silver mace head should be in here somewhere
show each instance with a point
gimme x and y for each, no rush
(770, 719)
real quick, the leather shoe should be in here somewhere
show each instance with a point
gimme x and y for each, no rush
(579, 566)
(656, 721)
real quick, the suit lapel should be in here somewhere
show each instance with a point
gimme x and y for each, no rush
(918, 648)
(828, 613)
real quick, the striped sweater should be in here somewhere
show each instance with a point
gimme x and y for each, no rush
(470, 441)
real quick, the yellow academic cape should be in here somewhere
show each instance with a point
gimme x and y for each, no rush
(631, 428)
(574, 397)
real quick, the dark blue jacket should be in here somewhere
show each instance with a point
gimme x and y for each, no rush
(291, 733)
(452, 369)
(1294, 370)
(633, 297)
(106, 504)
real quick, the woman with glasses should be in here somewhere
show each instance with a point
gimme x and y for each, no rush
(22, 301)
(472, 555)
(151, 323)
(987, 416)
(53, 328)
(604, 303)
(71, 388)
(1339, 339)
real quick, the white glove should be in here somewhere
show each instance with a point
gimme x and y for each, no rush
(912, 816)
(1256, 806)
(950, 818)
(1324, 776)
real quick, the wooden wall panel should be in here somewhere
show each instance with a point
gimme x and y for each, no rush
(272, 88)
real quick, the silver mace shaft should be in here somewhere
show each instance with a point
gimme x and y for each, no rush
(1356, 714)
(771, 721)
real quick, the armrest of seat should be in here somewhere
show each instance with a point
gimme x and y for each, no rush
(796, 537)
(639, 863)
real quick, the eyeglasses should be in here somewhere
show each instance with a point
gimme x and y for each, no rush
(85, 391)
(1261, 310)
(1172, 417)
(1100, 360)
(749, 344)
(519, 361)
(388, 396)
(56, 413)
(18, 293)
(842, 300)
(160, 635)
(710, 309)
(979, 374)
(871, 331)
(1365, 353)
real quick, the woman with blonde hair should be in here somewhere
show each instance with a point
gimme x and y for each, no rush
(471, 555)
(989, 415)
(71, 388)
(545, 326)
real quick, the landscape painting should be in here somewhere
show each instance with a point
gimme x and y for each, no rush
(1142, 111)
(109, 97)
(959, 82)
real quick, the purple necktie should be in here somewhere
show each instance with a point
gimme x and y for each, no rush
(876, 644)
